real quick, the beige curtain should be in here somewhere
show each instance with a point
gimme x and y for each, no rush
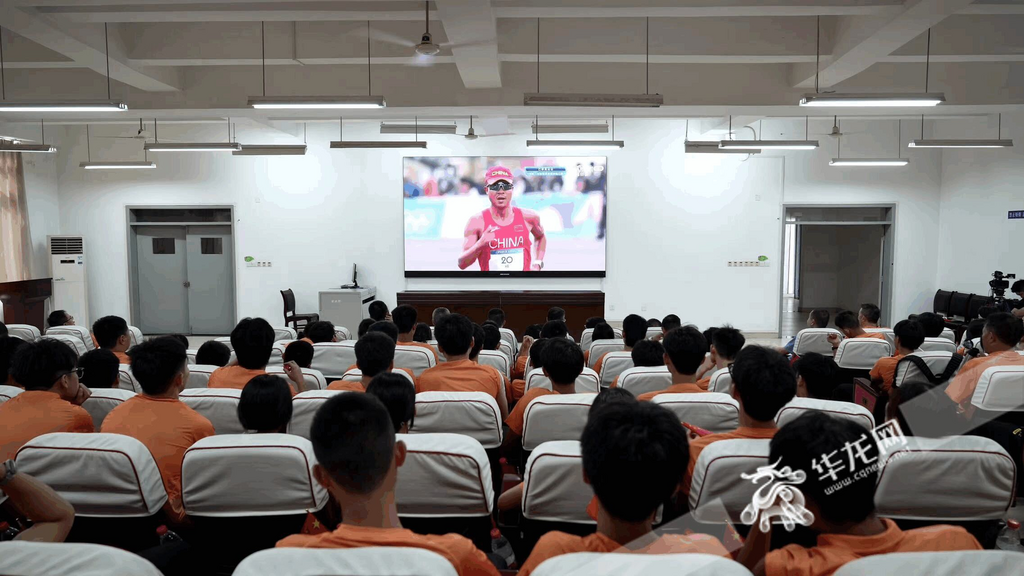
(14, 234)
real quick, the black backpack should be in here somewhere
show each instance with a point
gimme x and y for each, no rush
(934, 379)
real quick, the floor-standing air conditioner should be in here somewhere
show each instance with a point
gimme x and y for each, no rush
(67, 268)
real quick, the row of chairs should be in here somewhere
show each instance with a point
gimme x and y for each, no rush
(816, 340)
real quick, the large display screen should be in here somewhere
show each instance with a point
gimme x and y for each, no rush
(505, 216)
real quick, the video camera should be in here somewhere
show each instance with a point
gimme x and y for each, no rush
(999, 285)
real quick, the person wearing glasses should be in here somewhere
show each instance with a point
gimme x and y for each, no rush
(52, 400)
(499, 238)
(60, 318)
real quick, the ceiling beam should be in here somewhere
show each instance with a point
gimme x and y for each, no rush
(472, 29)
(85, 14)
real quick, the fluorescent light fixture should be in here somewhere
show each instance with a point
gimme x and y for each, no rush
(140, 165)
(569, 129)
(867, 100)
(961, 143)
(614, 100)
(712, 147)
(271, 150)
(768, 144)
(378, 144)
(192, 146)
(575, 143)
(417, 129)
(869, 162)
(315, 102)
(63, 106)
(19, 147)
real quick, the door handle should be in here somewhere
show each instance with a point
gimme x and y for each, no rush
(187, 284)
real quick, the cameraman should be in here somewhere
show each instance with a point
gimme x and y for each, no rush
(1017, 306)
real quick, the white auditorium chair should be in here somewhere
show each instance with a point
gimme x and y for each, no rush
(847, 410)
(473, 414)
(102, 401)
(304, 407)
(861, 353)
(369, 561)
(496, 359)
(126, 380)
(73, 342)
(906, 372)
(814, 340)
(80, 332)
(948, 334)
(8, 392)
(191, 354)
(333, 359)
(643, 379)
(416, 358)
(588, 381)
(356, 375)
(26, 332)
(653, 331)
(712, 411)
(587, 338)
(218, 405)
(717, 492)
(957, 478)
(555, 497)
(615, 363)
(135, 335)
(555, 417)
(277, 352)
(939, 344)
(721, 381)
(342, 334)
(225, 340)
(955, 563)
(1000, 389)
(629, 564)
(890, 335)
(284, 333)
(199, 375)
(313, 378)
(112, 481)
(504, 347)
(509, 337)
(440, 356)
(599, 348)
(22, 558)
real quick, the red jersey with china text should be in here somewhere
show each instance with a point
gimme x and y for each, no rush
(510, 250)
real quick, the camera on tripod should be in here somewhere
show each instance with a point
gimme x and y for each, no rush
(999, 284)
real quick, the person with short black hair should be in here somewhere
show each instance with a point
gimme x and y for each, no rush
(650, 439)
(385, 327)
(364, 327)
(554, 329)
(253, 341)
(379, 311)
(8, 346)
(3, 330)
(478, 343)
(157, 418)
(530, 335)
(818, 318)
(422, 333)
(265, 406)
(999, 339)
(646, 354)
(593, 321)
(99, 369)
(556, 314)
(849, 325)
(52, 400)
(299, 352)
(634, 329)
(726, 342)
(932, 323)
(492, 336)
(562, 364)
(909, 337)
(375, 354)
(496, 315)
(180, 338)
(869, 315)
(59, 318)
(111, 333)
(603, 331)
(816, 376)
(844, 518)
(398, 395)
(669, 323)
(532, 357)
(404, 318)
(320, 331)
(437, 314)
(684, 350)
(653, 323)
(358, 458)
(213, 353)
(533, 331)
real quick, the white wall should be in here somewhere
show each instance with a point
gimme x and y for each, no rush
(43, 208)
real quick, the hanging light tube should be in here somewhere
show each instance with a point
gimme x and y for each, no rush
(869, 162)
(768, 144)
(135, 165)
(713, 147)
(11, 146)
(271, 150)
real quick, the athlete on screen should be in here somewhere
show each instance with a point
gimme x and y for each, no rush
(499, 237)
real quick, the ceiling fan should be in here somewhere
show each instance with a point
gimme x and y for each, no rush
(472, 135)
(426, 48)
(141, 134)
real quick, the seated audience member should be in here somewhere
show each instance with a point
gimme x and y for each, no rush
(404, 318)
(179, 337)
(253, 341)
(562, 364)
(460, 374)
(651, 440)
(321, 331)
(646, 354)
(530, 335)
(1001, 335)
(973, 336)
(398, 396)
(845, 519)
(932, 323)
(922, 410)
(497, 316)
(375, 354)
(556, 314)
(668, 323)
(762, 382)
(422, 333)
(59, 318)
(726, 342)
(299, 352)
(653, 323)
(909, 337)
(869, 315)
(478, 343)
(847, 323)
(265, 406)
(52, 400)
(8, 346)
(99, 369)
(593, 321)
(52, 516)
(634, 329)
(379, 311)
(684, 350)
(157, 418)
(554, 329)
(111, 333)
(602, 331)
(818, 318)
(534, 356)
(385, 327)
(437, 314)
(816, 376)
(1018, 305)
(213, 353)
(492, 336)
(364, 326)
(358, 458)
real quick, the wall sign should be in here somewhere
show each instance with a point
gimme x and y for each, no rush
(1015, 215)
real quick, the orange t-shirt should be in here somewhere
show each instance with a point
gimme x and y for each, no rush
(704, 383)
(961, 388)
(406, 370)
(557, 543)
(741, 433)
(234, 377)
(520, 368)
(460, 551)
(876, 335)
(515, 418)
(167, 427)
(673, 389)
(885, 370)
(122, 357)
(835, 550)
(461, 376)
(518, 389)
(600, 363)
(347, 386)
(34, 413)
(306, 340)
(437, 358)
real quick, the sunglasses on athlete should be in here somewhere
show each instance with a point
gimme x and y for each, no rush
(499, 186)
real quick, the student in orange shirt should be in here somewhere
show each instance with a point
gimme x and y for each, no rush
(726, 342)
(265, 406)
(320, 331)
(157, 418)
(536, 360)
(358, 458)
(422, 333)
(375, 354)
(634, 329)
(869, 315)
(762, 382)
(818, 318)
(909, 337)
(684, 351)
(654, 444)
(844, 518)
(8, 346)
(492, 336)
(460, 374)
(646, 354)
(479, 339)
(669, 323)
(99, 369)
(111, 333)
(932, 323)
(213, 353)
(404, 318)
(530, 335)
(1001, 335)
(847, 323)
(253, 341)
(562, 364)
(395, 393)
(815, 376)
(602, 331)
(59, 318)
(52, 400)
(299, 352)
(388, 329)
(497, 317)
(364, 327)
(379, 311)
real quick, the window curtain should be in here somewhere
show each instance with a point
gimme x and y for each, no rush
(14, 233)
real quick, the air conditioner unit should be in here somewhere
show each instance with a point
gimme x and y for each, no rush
(67, 268)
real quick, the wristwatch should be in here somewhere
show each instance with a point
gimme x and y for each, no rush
(9, 472)
(539, 263)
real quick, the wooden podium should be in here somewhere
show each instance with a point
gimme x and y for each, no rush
(522, 307)
(25, 301)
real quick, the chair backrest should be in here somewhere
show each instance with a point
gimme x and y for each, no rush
(355, 375)
(948, 334)
(1000, 389)
(80, 332)
(225, 340)
(218, 405)
(284, 333)
(191, 354)
(862, 353)
(951, 479)
(717, 475)
(555, 417)
(935, 563)
(314, 379)
(71, 559)
(721, 381)
(588, 381)
(102, 401)
(277, 352)
(587, 338)
(504, 347)
(101, 475)
(199, 375)
(496, 359)
(553, 487)
(332, 359)
(645, 379)
(653, 331)
(444, 475)
(235, 475)
(342, 333)
(369, 561)
(304, 407)
(289, 303)
(847, 410)
(8, 392)
(599, 348)
(126, 380)
(615, 363)
(26, 332)
(907, 372)
(939, 344)
(618, 564)
(711, 411)
(814, 340)
(73, 342)
(474, 414)
(509, 337)
(416, 358)
(135, 335)
(890, 335)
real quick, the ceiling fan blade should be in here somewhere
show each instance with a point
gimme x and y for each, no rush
(386, 37)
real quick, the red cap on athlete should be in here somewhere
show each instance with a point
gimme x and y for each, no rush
(498, 173)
